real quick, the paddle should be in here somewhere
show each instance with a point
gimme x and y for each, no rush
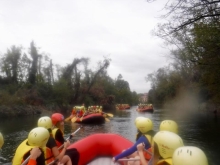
(68, 118)
(71, 135)
(131, 159)
(74, 119)
(106, 119)
(108, 114)
(82, 116)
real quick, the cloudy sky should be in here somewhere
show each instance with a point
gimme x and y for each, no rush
(66, 29)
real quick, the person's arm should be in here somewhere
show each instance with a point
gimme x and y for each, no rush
(34, 154)
(140, 149)
(132, 149)
(57, 154)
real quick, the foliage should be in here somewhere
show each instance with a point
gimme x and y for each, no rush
(33, 79)
(192, 32)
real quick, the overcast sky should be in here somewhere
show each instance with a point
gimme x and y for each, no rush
(66, 29)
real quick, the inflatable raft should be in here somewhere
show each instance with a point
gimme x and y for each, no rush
(146, 109)
(99, 146)
(94, 118)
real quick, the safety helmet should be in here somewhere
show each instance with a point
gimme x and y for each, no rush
(189, 155)
(1, 140)
(169, 125)
(45, 122)
(140, 117)
(167, 142)
(57, 117)
(38, 137)
(143, 124)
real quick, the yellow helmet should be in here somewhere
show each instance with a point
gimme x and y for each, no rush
(45, 122)
(189, 155)
(1, 140)
(38, 137)
(138, 118)
(143, 124)
(169, 125)
(167, 142)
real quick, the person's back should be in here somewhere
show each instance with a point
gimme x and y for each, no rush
(32, 148)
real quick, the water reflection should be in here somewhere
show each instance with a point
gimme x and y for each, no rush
(199, 130)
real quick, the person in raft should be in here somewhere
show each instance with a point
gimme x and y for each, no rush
(58, 132)
(54, 153)
(165, 125)
(164, 145)
(33, 147)
(169, 125)
(189, 155)
(144, 136)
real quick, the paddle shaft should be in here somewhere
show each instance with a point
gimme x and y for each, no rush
(26, 161)
(70, 137)
(131, 159)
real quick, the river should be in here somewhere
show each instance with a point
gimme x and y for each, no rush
(197, 129)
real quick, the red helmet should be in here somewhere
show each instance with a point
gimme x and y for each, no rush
(56, 117)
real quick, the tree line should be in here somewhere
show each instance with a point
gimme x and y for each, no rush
(192, 32)
(33, 79)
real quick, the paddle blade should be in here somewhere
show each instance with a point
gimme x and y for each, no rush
(74, 119)
(110, 115)
(68, 118)
(81, 118)
(106, 119)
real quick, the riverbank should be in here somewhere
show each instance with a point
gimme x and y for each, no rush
(17, 111)
(28, 110)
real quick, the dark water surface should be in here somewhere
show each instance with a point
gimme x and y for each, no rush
(201, 130)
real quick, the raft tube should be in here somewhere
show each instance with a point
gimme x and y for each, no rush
(148, 109)
(94, 118)
(100, 145)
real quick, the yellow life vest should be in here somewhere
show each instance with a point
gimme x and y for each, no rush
(22, 149)
(54, 131)
(163, 161)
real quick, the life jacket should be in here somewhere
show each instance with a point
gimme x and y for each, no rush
(146, 154)
(23, 148)
(74, 112)
(167, 161)
(54, 131)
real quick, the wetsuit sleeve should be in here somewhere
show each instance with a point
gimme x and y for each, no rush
(32, 162)
(132, 149)
(59, 136)
(40, 160)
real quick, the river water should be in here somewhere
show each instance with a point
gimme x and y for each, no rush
(197, 129)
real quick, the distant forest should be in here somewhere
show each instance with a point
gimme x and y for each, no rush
(33, 79)
(191, 29)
